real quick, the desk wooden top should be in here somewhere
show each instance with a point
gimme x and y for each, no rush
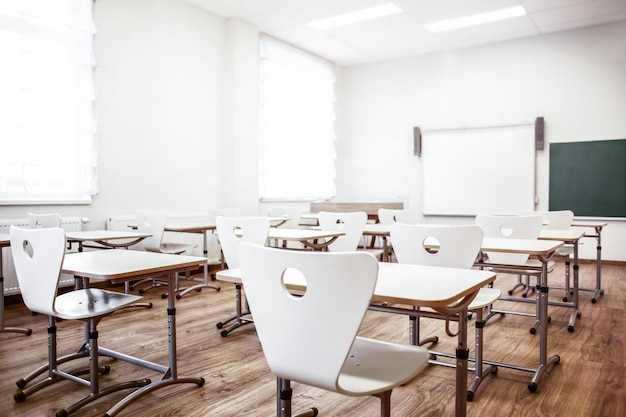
(527, 246)
(377, 229)
(98, 235)
(568, 236)
(280, 233)
(370, 207)
(589, 223)
(203, 225)
(424, 286)
(121, 264)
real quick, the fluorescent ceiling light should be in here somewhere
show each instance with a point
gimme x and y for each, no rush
(357, 16)
(477, 19)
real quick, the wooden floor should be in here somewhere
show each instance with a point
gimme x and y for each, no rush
(589, 381)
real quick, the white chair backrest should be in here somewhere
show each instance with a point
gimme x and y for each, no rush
(294, 214)
(152, 222)
(388, 216)
(513, 227)
(38, 256)
(449, 246)
(214, 213)
(555, 219)
(40, 221)
(351, 223)
(232, 231)
(307, 338)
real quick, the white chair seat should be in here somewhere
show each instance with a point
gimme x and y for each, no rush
(172, 248)
(364, 373)
(71, 305)
(486, 296)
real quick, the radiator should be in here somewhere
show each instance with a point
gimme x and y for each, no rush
(69, 224)
(125, 221)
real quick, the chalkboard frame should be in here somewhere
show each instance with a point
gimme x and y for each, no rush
(589, 178)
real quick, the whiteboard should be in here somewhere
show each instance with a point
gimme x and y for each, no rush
(475, 170)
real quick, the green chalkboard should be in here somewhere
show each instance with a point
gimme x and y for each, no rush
(589, 178)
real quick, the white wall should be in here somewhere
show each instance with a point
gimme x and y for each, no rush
(576, 80)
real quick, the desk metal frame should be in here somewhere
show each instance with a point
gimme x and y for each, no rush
(117, 265)
(597, 226)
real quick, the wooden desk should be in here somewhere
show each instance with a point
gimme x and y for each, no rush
(382, 231)
(544, 251)
(130, 265)
(412, 285)
(571, 237)
(370, 207)
(5, 242)
(106, 239)
(597, 226)
(311, 238)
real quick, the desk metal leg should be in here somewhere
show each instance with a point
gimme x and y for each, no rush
(171, 376)
(205, 279)
(544, 361)
(462, 354)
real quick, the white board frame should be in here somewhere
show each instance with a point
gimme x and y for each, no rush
(480, 169)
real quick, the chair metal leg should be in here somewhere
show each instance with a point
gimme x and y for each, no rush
(385, 403)
(414, 332)
(241, 316)
(479, 372)
(283, 401)
(55, 374)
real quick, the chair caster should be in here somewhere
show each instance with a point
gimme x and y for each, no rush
(178, 296)
(565, 299)
(224, 333)
(21, 383)
(533, 330)
(219, 325)
(570, 329)
(470, 396)
(164, 296)
(19, 397)
(202, 381)
(532, 387)
(61, 413)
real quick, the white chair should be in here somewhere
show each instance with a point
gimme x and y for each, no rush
(40, 221)
(153, 223)
(513, 227)
(232, 231)
(389, 216)
(38, 256)
(293, 216)
(350, 223)
(453, 247)
(559, 220)
(311, 337)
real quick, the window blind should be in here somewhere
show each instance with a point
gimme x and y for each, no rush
(47, 96)
(297, 132)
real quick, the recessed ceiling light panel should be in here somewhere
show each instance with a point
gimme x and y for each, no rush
(356, 16)
(477, 19)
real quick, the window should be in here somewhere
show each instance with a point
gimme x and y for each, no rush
(47, 127)
(297, 134)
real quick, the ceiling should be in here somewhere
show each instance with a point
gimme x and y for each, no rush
(403, 34)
